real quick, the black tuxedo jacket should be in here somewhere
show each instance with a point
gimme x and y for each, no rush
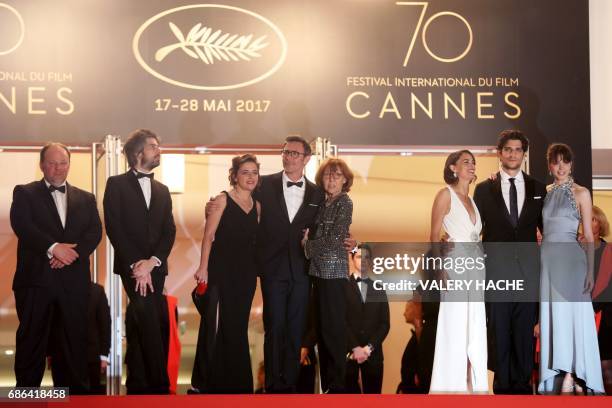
(135, 231)
(511, 252)
(496, 221)
(37, 224)
(99, 324)
(277, 236)
(366, 322)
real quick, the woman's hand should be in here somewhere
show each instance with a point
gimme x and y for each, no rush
(305, 237)
(201, 275)
(589, 282)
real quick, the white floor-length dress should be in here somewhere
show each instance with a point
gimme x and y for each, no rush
(460, 360)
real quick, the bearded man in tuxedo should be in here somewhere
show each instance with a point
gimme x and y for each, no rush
(140, 226)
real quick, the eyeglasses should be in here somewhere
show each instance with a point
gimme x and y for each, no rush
(335, 175)
(292, 153)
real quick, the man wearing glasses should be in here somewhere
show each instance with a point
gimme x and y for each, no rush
(289, 205)
(140, 226)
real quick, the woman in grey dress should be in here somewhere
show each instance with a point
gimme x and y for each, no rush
(329, 265)
(569, 353)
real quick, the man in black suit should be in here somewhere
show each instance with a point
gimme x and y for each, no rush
(511, 210)
(58, 227)
(140, 226)
(99, 341)
(289, 204)
(367, 323)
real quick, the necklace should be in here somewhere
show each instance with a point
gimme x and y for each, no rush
(242, 202)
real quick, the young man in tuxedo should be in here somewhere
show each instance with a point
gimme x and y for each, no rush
(58, 227)
(367, 327)
(140, 226)
(510, 206)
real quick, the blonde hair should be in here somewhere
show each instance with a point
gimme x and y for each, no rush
(604, 225)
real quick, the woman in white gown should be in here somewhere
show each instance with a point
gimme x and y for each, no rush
(460, 359)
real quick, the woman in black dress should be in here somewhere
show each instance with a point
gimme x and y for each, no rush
(222, 363)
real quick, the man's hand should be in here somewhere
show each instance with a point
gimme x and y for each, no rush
(65, 253)
(350, 242)
(55, 263)
(142, 283)
(361, 354)
(211, 206)
(143, 267)
(304, 360)
(103, 365)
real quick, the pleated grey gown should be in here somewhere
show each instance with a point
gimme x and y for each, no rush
(568, 341)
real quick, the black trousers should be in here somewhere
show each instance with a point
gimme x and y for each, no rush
(512, 324)
(284, 315)
(371, 377)
(52, 321)
(330, 295)
(146, 328)
(97, 387)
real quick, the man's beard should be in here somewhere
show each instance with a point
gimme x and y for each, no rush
(150, 165)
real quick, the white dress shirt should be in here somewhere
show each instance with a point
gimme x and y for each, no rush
(61, 202)
(363, 289)
(145, 185)
(294, 196)
(519, 182)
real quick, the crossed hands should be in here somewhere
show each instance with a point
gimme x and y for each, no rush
(141, 272)
(63, 255)
(361, 354)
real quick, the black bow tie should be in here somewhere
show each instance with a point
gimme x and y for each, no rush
(297, 183)
(360, 279)
(140, 175)
(61, 189)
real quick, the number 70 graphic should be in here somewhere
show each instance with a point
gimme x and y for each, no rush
(424, 5)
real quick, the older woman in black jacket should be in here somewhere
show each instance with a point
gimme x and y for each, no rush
(329, 264)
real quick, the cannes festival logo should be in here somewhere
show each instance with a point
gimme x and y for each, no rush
(209, 47)
(11, 19)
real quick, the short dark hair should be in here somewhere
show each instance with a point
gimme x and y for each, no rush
(559, 150)
(449, 176)
(239, 161)
(365, 248)
(512, 134)
(334, 164)
(46, 147)
(135, 145)
(299, 139)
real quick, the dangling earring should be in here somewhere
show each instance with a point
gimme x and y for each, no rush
(454, 174)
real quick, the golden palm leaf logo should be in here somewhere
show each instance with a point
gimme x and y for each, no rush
(208, 46)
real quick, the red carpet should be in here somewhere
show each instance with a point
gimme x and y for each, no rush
(326, 401)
